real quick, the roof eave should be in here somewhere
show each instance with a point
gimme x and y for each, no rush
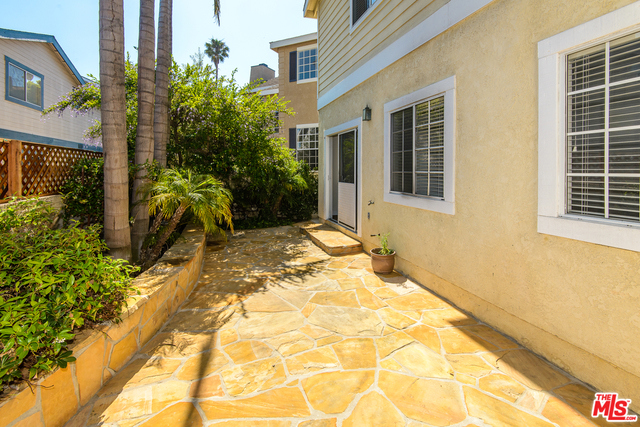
(306, 38)
(23, 35)
(311, 9)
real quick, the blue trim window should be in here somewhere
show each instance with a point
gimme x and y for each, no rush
(307, 64)
(24, 86)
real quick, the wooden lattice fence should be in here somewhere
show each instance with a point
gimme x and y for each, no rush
(4, 169)
(43, 168)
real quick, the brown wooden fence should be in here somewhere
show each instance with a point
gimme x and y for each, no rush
(30, 169)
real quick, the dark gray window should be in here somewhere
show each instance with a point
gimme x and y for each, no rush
(359, 7)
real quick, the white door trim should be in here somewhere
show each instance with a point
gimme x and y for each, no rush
(328, 169)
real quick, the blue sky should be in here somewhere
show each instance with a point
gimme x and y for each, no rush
(247, 27)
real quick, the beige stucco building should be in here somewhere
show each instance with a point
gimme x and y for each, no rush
(297, 84)
(503, 156)
(36, 73)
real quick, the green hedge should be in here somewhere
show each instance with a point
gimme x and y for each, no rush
(84, 192)
(52, 282)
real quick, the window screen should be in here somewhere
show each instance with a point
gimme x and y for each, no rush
(359, 7)
(603, 130)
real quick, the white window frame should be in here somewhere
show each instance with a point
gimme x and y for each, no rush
(298, 149)
(363, 17)
(303, 49)
(444, 88)
(552, 65)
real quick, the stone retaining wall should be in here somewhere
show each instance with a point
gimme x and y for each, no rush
(102, 352)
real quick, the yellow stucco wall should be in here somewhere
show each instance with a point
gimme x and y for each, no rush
(302, 97)
(575, 303)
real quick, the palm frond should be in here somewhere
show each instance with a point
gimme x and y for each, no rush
(203, 195)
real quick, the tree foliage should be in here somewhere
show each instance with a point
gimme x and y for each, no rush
(86, 98)
(224, 129)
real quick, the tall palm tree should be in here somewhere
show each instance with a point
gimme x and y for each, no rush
(161, 113)
(216, 11)
(175, 192)
(144, 135)
(114, 133)
(217, 50)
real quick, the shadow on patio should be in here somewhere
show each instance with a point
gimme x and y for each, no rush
(278, 333)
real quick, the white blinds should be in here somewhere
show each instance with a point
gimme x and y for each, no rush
(417, 149)
(603, 130)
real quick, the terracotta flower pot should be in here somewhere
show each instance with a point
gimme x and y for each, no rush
(382, 264)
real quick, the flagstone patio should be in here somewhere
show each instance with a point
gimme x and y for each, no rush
(278, 333)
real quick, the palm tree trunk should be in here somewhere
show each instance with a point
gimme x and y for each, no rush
(276, 205)
(157, 222)
(144, 138)
(161, 117)
(173, 223)
(114, 132)
(216, 62)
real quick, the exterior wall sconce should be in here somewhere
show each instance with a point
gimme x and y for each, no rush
(366, 114)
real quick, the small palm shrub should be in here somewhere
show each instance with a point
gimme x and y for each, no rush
(176, 192)
(52, 282)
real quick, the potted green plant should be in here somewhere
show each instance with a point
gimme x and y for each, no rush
(383, 259)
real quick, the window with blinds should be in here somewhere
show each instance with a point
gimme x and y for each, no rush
(603, 130)
(417, 145)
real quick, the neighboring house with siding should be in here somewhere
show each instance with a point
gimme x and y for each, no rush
(297, 83)
(503, 156)
(36, 73)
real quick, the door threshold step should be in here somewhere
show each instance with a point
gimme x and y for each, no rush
(330, 240)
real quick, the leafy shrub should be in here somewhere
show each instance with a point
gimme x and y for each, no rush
(226, 130)
(300, 205)
(52, 282)
(218, 128)
(84, 192)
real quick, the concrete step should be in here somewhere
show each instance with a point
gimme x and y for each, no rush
(329, 239)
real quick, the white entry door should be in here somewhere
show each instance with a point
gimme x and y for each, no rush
(347, 179)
